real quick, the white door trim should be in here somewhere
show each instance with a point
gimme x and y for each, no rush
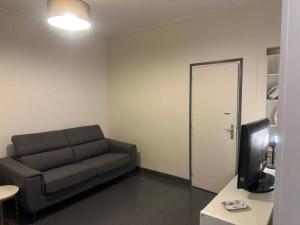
(239, 101)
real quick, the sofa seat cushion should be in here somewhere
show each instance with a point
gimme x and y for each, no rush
(66, 176)
(107, 162)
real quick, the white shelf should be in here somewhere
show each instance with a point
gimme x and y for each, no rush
(275, 55)
(273, 74)
(273, 64)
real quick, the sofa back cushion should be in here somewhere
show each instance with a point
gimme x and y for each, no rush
(48, 150)
(81, 135)
(86, 141)
(28, 144)
(49, 160)
(90, 149)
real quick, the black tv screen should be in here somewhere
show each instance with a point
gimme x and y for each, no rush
(254, 142)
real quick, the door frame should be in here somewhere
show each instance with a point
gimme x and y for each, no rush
(239, 106)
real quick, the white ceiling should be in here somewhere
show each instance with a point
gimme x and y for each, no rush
(112, 18)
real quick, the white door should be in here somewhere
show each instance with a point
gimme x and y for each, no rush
(214, 121)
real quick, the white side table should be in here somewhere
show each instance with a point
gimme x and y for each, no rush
(7, 192)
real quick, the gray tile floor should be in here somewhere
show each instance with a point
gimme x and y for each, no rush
(140, 199)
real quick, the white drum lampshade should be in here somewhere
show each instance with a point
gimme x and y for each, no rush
(73, 15)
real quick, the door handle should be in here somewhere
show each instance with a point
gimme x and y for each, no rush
(231, 131)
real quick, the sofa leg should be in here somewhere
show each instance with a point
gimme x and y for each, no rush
(33, 217)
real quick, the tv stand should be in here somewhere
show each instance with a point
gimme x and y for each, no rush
(265, 183)
(259, 212)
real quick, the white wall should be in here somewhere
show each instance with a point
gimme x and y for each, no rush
(148, 82)
(287, 196)
(49, 79)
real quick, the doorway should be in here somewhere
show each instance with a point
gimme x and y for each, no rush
(215, 120)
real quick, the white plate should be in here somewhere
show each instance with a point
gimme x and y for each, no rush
(235, 205)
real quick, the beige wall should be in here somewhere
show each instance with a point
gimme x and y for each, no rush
(287, 182)
(48, 79)
(148, 78)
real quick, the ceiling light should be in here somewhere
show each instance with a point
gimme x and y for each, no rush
(73, 15)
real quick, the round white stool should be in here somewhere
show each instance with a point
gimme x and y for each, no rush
(7, 192)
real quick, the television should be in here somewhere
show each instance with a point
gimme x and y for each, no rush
(254, 142)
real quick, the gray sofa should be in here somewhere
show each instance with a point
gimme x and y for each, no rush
(52, 166)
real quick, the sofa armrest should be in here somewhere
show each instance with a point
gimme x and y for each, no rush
(27, 179)
(14, 172)
(121, 147)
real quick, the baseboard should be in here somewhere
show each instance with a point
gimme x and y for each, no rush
(164, 175)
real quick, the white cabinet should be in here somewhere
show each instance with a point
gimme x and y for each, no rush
(259, 213)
